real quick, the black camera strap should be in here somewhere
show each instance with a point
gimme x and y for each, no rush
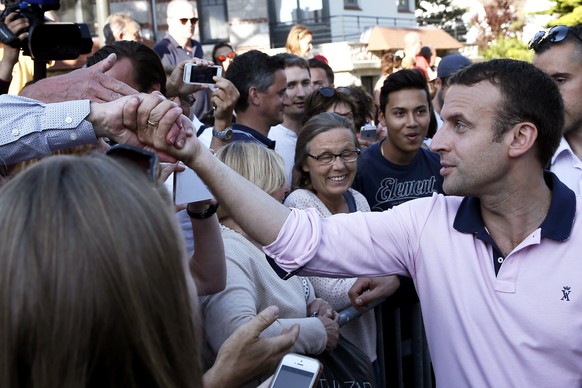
(7, 37)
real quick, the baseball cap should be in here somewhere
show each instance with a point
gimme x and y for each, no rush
(451, 64)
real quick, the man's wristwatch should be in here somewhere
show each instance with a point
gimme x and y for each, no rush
(224, 135)
(210, 210)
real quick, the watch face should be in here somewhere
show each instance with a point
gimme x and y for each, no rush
(228, 134)
(225, 135)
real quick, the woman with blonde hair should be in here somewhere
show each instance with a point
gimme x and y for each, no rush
(299, 41)
(251, 282)
(93, 290)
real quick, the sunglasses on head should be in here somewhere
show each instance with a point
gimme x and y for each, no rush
(553, 35)
(145, 160)
(222, 58)
(329, 92)
(185, 20)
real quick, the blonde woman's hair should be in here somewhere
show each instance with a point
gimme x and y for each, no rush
(296, 33)
(93, 285)
(258, 164)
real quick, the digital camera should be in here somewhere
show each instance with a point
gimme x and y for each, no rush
(47, 40)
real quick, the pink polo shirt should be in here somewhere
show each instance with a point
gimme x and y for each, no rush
(521, 328)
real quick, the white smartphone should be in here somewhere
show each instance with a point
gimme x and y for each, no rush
(368, 132)
(201, 75)
(296, 371)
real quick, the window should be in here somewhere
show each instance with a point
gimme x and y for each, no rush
(351, 4)
(213, 22)
(403, 5)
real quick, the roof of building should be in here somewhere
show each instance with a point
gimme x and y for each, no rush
(392, 38)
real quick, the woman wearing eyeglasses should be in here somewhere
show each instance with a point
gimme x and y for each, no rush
(325, 166)
(223, 54)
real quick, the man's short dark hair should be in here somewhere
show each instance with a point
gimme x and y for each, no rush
(407, 79)
(315, 63)
(147, 65)
(252, 69)
(293, 60)
(527, 95)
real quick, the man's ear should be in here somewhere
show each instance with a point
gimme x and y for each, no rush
(524, 136)
(381, 118)
(254, 97)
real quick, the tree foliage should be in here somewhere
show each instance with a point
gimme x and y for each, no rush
(513, 48)
(569, 12)
(442, 14)
(500, 20)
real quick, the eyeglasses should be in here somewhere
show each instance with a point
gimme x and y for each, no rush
(222, 58)
(328, 158)
(146, 160)
(329, 92)
(185, 20)
(553, 35)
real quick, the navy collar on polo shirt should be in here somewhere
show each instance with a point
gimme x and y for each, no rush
(175, 43)
(241, 132)
(558, 222)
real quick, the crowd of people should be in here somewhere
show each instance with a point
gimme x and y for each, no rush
(465, 204)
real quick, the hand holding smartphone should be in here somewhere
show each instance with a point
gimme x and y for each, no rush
(196, 74)
(368, 132)
(296, 371)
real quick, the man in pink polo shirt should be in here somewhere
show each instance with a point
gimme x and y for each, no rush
(496, 264)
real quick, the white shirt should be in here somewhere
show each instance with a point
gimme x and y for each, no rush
(286, 140)
(568, 167)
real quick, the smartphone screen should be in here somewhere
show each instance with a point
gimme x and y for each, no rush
(202, 74)
(289, 377)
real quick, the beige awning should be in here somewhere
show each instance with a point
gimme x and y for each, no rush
(390, 38)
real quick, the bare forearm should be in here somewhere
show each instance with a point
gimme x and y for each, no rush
(259, 214)
(207, 265)
(6, 66)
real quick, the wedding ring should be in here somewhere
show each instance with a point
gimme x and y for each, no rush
(153, 123)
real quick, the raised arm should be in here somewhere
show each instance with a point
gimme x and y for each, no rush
(254, 210)
(207, 264)
(87, 83)
(17, 30)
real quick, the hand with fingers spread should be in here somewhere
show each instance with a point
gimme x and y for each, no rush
(88, 83)
(245, 355)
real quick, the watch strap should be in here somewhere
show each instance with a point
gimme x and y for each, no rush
(210, 210)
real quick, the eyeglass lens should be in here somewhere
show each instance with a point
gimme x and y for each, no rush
(328, 158)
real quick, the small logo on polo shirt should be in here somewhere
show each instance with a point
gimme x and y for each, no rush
(566, 294)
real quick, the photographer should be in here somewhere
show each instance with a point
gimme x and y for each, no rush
(17, 26)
